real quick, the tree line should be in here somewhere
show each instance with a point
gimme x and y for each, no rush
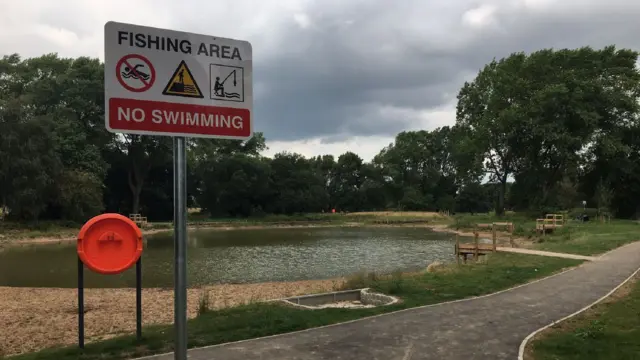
(538, 132)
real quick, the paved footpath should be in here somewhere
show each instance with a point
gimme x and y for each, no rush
(546, 253)
(489, 327)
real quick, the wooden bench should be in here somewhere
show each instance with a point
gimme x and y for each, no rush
(549, 223)
(474, 249)
(139, 219)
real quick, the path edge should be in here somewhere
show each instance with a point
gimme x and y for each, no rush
(566, 270)
(523, 344)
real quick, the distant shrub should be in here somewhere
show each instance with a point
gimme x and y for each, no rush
(397, 281)
(576, 212)
(462, 222)
(203, 302)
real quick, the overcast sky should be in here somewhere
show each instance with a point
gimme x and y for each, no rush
(338, 75)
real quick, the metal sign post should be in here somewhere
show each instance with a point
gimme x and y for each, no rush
(180, 246)
(163, 82)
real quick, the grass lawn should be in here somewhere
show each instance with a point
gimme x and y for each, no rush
(589, 238)
(450, 282)
(523, 225)
(52, 229)
(610, 330)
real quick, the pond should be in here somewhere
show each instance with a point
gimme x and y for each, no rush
(242, 256)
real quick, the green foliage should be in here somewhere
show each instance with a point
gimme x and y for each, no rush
(79, 195)
(203, 302)
(531, 115)
(548, 130)
(592, 213)
(463, 222)
(50, 109)
(594, 330)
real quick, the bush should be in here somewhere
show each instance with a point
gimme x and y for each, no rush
(203, 302)
(592, 213)
(594, 330)
(462, 222)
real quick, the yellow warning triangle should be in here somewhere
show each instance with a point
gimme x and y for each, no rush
(182, 83)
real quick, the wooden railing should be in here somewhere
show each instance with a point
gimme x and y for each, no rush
(138, 219)
(550, 222)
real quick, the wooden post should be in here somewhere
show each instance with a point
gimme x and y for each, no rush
(544, 230)
(457, 249)
(475, 250)
(493, 228)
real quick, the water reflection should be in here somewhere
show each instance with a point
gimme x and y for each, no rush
(243, 256)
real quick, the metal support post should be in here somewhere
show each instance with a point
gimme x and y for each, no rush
(180, 246)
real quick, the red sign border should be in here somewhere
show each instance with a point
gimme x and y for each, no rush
(124, 84)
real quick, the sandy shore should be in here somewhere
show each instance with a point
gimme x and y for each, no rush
(60, 240)
(35, 318)
(503, 237)
(66, 239)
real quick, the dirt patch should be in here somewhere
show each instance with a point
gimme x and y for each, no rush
(429, 214)
(35, 318)
(577, 321)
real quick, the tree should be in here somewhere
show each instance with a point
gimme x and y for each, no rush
(533, 114)
(473, 198)
(346, 182)
(143, 153)
(236, 185)
(536, 131)
(48, 112)
(420, 166)
(297, 186)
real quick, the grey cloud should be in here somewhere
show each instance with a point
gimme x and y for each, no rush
(343, 71)
(332, 78)
(340, 72)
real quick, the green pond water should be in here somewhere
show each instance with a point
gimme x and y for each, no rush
(241, 256)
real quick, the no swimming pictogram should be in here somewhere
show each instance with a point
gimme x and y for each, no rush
(135, 73)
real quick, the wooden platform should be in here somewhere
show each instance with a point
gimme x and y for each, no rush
(507, 225)
(471, 248)
(475, 249)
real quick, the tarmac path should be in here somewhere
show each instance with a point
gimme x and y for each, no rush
(489, 327)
